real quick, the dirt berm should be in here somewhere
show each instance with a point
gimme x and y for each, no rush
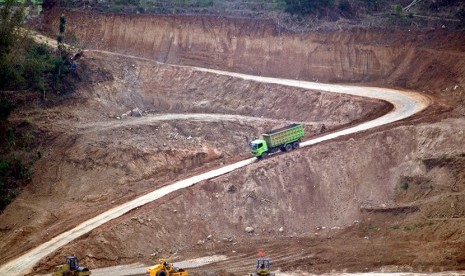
(389, 198)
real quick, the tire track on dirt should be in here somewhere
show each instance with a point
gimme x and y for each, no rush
(204, 117)
(405, 105)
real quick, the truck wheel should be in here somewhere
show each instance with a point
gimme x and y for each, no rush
(68, 273)
(264, 155)
(295, 145)
(288, 147)
(161, 273)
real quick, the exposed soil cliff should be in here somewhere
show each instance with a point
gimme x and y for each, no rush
(411, 59)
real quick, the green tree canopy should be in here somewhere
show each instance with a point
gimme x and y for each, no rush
(11, 18)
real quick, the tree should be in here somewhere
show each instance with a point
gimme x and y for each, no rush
(63, 60)
(11, 19)
(62, 30)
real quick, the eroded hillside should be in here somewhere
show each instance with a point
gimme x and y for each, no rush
(337, 203)
(405, 58)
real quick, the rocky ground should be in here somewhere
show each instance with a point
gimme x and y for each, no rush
(387, 198)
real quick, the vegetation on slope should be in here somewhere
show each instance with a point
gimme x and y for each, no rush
(28, 72)
(307, 13)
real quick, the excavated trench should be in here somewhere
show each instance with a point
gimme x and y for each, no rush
(315, 209)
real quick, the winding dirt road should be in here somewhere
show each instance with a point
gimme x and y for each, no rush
(405, 105)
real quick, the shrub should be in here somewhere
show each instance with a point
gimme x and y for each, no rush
(207, 3)
(404, 185)
(10, 74)
(345, 8)
(6, 196)
(11, 18)
(397, 10)
(5, 110)
(303, 7)
(461, 16)
(435, 5)
(3, 167)
(11, 169)
(372, 5)
(140, 8)
(10, 137)
(37, 67)
(127, 2)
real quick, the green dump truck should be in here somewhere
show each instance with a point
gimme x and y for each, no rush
(284, 139)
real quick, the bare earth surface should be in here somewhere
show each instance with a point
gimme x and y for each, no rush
(404, 106)
(387, 199)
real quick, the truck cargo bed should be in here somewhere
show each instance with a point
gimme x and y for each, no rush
(285, 135)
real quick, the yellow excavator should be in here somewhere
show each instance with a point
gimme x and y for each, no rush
(163, 268)
(71, 268)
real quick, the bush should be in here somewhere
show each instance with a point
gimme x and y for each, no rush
(17, 156)
(11, 18)
(372, 5)
(11, 170)
(397, 10)
(127, 2)
(30, 65)
(435, 5)
(303, 7)
(345, 8)
(140, 8)
(461, 16)
(207, 3)
(24, 65)
(404, 185)
(6, 196)
(5, 110)
(37, 67)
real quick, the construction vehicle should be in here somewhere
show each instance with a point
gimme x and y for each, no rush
(163, 268)
(263, 268)
(71, 268)
(284, 139)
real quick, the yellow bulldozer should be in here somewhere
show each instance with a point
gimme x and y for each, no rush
(163, 268)
(71, 268)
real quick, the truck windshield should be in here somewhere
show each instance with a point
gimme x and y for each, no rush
(263, 264)
(256, 146)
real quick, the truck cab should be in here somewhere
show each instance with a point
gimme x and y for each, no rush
(258, 147)
(263, 266)
(284, 139)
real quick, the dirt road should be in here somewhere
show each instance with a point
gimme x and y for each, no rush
(137, 269)
(405, 104)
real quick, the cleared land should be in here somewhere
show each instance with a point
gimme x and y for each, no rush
(337, 202)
